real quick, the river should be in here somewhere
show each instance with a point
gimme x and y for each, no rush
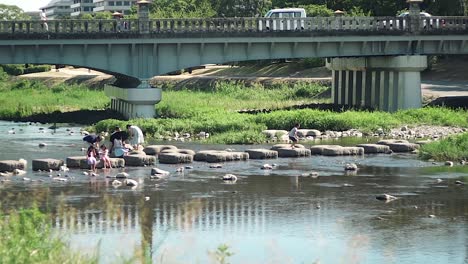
(270, 216)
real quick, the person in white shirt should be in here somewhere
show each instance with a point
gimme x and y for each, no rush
(135, 136)
(293, 134)
(44, 20)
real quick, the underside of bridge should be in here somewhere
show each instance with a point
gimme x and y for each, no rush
(387, 83)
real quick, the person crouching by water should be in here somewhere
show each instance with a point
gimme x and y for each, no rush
(93, 140)
(91, 158)
(104, 155)
(293, 135)
(135, 136)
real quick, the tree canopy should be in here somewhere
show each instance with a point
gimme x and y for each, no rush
(12, 12)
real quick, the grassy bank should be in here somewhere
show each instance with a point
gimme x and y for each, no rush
(22, 98)
(26, 237)
(454, 148)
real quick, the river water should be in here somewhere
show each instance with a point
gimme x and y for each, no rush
(265, 217)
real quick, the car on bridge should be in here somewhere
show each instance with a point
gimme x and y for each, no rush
(285, 19)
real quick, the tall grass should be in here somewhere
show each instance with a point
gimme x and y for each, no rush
(26, 237)
(454, 148)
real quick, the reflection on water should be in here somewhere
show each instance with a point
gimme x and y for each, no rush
(266, 216)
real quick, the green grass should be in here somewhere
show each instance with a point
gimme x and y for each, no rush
(454, 148)
(26, 237)
(23, 98)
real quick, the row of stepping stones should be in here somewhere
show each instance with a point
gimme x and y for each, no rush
(168, 154)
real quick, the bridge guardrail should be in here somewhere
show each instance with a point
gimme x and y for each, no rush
(18, 29)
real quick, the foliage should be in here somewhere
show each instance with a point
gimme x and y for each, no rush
(12, 12)
(26, 237)
(103, 15)
(317, 10)
(181, 9)
(452, 148)
(312, 62)
(221, 254)
(357, 11)
(37, 97)
(19, 69)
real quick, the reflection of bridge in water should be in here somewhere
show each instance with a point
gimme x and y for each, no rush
(256, 216)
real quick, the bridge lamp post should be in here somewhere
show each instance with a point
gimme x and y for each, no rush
(414, 10)
(143, 16)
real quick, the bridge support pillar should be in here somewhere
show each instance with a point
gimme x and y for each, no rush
(134, 102)
(384, 83)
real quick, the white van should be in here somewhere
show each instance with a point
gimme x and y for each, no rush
(286, 19)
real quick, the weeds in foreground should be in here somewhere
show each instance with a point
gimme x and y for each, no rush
(26, 237)
(222, 254)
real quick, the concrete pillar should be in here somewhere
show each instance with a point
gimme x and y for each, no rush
(384, 83)
(134, 102)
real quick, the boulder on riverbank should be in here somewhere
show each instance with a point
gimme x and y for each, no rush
(262, 154)
(46, 164)
(273, 133)
(308, 133)
(11, 165)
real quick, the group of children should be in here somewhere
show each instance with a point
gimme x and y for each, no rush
(95, 152)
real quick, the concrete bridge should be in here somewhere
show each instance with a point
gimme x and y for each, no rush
(376, 61)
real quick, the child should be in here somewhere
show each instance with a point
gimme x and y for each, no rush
(104, 154)
(293, 135)
(91, 158)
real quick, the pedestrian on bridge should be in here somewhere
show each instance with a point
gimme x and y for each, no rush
(44, 20)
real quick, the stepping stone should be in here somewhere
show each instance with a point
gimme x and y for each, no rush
(174, 158)
(343, 151)
(318, 149)
(75, 162)
(262, 154)
(11, 165)
(46, 164)
(278, 146)
(399, 145)
(180, 151)
(292, 153)
(139, 160)
(201, 155)
(156, 149)
(115, 162)
(226, 156)
(375, 148)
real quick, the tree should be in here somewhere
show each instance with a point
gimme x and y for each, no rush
(181, 9)
(12, 12)
(243, 8)
(317, 10)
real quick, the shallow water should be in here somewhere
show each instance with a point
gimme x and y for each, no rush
(266, 216)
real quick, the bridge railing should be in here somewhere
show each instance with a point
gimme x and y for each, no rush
(97, 28)
(444, 23)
